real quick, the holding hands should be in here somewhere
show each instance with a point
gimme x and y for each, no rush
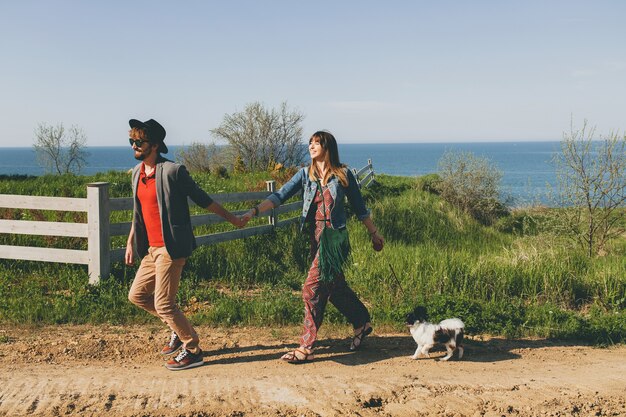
(245, 218)
(237, 221)
(254, 211)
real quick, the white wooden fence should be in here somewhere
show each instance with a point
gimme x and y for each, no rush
(98, 230)
(365, 175)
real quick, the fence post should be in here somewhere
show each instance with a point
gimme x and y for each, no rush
(271, 187)
(356, 177)
(98, 240)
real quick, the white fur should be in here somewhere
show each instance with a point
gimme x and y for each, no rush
(424, 335)
(455, 323)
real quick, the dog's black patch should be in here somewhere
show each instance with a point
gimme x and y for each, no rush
(443, 335)
(418, 314)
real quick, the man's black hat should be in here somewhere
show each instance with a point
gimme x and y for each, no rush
(155, 132)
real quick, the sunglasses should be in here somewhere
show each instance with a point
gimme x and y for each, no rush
(136, 142)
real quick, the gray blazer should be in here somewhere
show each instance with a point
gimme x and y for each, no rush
(173, 186)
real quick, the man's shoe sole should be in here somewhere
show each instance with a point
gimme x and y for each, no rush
(181, 368)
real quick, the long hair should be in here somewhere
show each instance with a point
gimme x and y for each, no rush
(336, 168)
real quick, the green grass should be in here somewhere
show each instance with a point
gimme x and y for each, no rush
(514, 279)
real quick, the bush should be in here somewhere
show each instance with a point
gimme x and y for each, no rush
(221, 171)
(431, 183)
(521, 223)
(471, 184)
(199, 157)
(606, 328)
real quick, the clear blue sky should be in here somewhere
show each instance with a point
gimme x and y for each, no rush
(369, 71)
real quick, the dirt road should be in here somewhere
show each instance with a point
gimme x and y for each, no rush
(115, 371)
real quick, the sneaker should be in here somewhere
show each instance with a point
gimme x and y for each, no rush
(174, 344)
(185, 360)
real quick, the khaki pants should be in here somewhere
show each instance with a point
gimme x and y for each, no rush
(154, 289)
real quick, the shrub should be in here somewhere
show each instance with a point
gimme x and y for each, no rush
(221, 171)
(471, 184)
(199, 157)
(431, 183)
(606, 328)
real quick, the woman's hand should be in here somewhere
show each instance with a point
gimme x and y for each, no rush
(377, 241)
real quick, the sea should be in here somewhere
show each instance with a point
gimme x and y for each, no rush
(527, 168)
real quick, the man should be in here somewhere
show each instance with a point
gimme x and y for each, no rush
(162, 233)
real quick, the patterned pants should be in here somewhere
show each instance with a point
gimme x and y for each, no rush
(316, 294)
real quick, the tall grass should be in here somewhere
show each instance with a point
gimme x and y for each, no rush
(512, 281)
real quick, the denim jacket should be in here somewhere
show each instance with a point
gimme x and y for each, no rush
(301, 182)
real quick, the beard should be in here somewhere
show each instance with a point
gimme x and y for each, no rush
(144, 152)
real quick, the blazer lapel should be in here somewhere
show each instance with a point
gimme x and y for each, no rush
(159, 185)
(136, 175)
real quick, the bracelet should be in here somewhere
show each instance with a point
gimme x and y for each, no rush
(374, 232)
(255, 210)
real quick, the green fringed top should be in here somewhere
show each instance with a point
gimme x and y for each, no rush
(334, 248)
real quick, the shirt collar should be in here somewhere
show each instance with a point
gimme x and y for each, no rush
(143, 171)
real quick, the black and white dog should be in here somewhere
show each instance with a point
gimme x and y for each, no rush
(449, 332)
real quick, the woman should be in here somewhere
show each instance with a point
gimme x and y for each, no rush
(325, 182)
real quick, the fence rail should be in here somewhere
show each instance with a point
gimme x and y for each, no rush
(368, 170)
(98, 230)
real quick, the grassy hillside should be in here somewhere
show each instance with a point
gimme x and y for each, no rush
(516, 278)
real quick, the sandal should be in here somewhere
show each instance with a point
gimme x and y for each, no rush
(292, 357)
(358, 338)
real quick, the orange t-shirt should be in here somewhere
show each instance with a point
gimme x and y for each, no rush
(146, 193)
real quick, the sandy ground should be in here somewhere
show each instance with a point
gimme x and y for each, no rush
(116, 371)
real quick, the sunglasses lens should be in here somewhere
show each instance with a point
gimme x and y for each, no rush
(136, 142)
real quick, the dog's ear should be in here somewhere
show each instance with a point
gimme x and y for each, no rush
(420, 313)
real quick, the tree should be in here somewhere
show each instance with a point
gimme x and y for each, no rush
(259, 136)
(199, 157)
(591, 187)
(60, 151)
(472, 184)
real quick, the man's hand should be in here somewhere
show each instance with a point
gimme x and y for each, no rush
(245, 218)
(236, 221)
(129, 256)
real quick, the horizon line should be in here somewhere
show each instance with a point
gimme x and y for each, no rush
(344, 143)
